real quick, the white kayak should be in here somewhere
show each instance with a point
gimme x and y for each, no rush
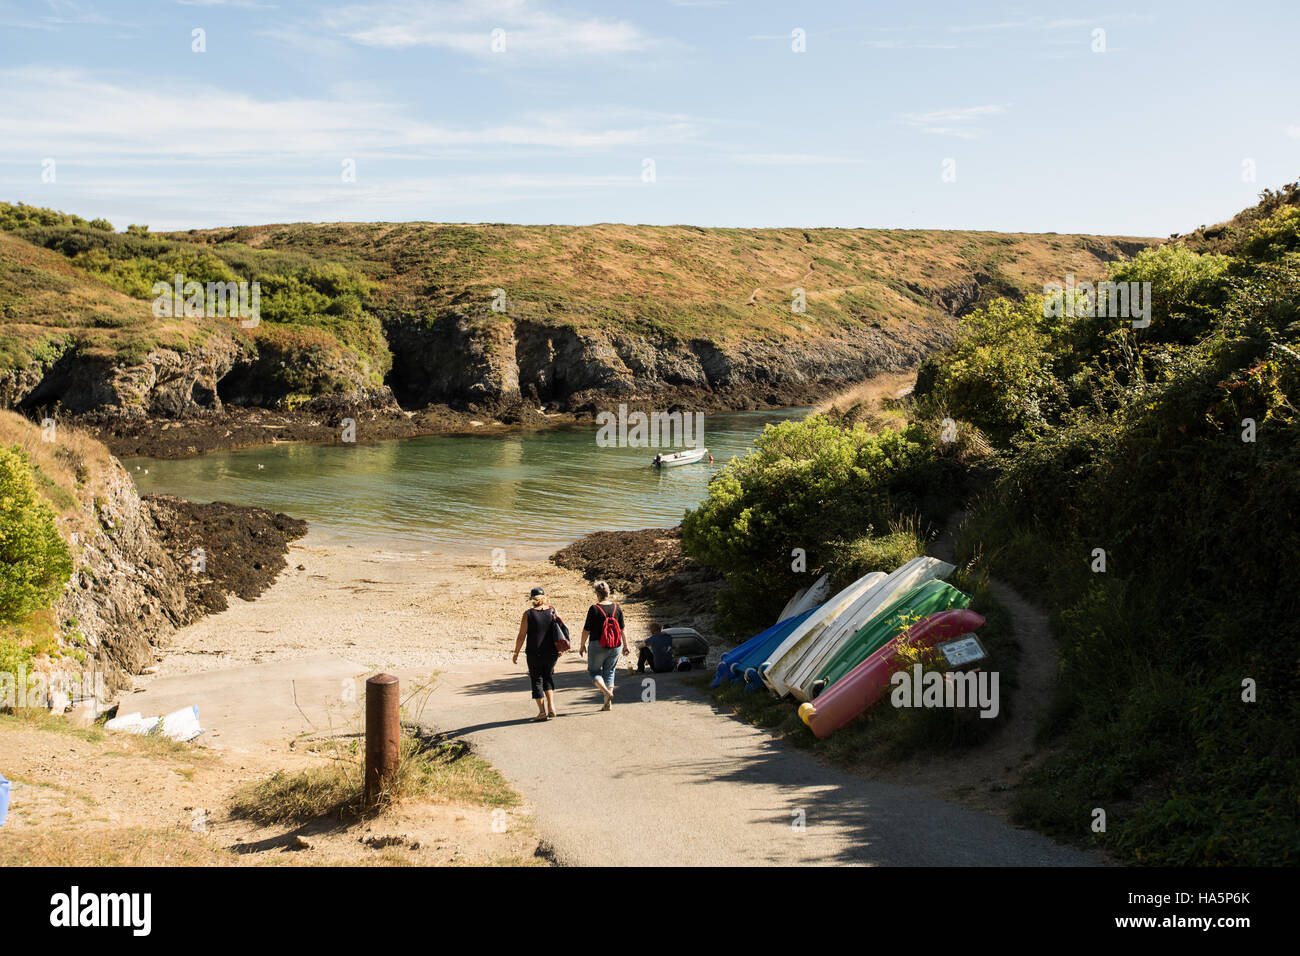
(799, 673)
(808, 597)
(771, 671)
(790, 605)
(688, 457)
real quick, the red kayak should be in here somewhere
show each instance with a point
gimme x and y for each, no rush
(861, 687)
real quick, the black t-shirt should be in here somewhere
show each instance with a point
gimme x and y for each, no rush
(539, 632)
(595, 623)
(661, 646)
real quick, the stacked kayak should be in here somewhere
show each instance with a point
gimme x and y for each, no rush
(802, 669)
(770, 671)
(929, 598)
(755, 650)
(807, 598)
(866, 683)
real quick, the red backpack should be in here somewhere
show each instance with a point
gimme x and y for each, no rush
(611, 635)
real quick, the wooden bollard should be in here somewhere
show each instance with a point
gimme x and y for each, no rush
(383, 733)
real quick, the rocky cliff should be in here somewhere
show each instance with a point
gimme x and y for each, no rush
(142, 566)
(157, 563)
(455, 360)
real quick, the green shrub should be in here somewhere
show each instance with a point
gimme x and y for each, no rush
(849, 560)
(1149, 722)
(34, 561)
(1276, 235)
(999, 374)
(806, 484)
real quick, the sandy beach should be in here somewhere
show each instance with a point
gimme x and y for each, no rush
(385, 609)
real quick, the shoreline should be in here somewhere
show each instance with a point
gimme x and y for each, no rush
(237, 427)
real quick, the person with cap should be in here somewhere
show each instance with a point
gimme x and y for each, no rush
(534, 639)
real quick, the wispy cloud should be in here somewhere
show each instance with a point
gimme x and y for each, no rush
(1035, 23)
(246, 4)
(99, 118)
(467, 26)
(910, 45)
(51, 15)
(961, 122)
(183, 202)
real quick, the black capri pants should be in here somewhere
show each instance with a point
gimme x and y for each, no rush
(541, 672)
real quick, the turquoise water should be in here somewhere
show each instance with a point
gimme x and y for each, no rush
(528, 493)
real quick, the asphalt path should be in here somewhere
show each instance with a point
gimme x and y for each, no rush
(666, 779)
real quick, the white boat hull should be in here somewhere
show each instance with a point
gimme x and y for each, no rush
(682, 458)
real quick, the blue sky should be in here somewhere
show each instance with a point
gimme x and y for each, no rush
(1150, 136)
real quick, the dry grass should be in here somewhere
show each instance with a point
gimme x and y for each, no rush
(103, 846)
(430, 769)
(46, 303)
(681, 280)
(70, 470)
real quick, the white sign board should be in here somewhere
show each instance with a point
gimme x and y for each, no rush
(964, 650)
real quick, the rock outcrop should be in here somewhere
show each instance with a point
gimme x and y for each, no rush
(149, 565)
(457, 360)
(169, 382)
(126, 594)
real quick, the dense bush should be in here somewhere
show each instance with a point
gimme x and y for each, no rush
(998, 374)
(34, 561)
(1190, 482)
(1173, 448)
(22, 216)
(805, 484)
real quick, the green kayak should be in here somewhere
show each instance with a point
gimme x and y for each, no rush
(929, 598)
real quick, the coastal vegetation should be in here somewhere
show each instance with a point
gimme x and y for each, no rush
(1142, 484)
(460, 314)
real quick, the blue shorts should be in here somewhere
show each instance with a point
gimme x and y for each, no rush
(602, 662)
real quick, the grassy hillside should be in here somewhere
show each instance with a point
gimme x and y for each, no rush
(679, 281)
(1172, 452)
(47, 304)
(328, 290)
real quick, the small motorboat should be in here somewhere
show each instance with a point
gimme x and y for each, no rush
(688, 457)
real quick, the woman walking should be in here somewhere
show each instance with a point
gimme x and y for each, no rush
(605, 622)
(540, 652)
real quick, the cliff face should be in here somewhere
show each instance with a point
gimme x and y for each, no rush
(127, 594)
(496, 321)
(142, 566)
(455, 360)
(170, 382)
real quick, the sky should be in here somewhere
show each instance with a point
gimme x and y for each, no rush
(1113, 118)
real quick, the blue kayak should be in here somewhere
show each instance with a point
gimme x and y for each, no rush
(754, 651)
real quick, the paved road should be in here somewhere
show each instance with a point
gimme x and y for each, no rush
(676, 782)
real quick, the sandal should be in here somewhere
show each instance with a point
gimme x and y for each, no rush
(540, 719)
